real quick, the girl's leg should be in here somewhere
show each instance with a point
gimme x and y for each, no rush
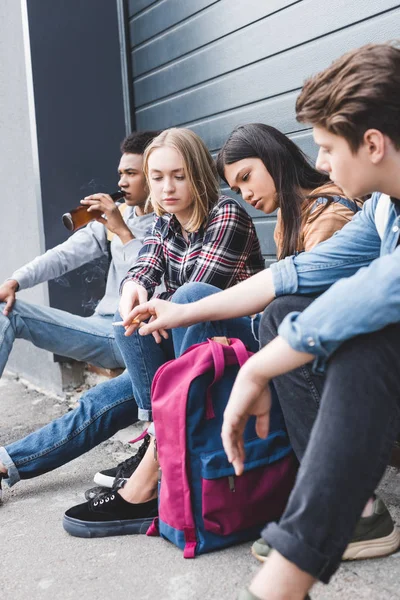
(184, 337)
(142, 485)
(142, 356)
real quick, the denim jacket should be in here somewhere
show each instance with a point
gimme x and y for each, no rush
(360, 264)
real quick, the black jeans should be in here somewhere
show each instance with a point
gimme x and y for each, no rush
(342, 427)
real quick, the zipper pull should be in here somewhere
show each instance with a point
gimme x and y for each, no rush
(155, 450)
(231, 481)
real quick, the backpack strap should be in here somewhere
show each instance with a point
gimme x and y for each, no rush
(350, 204)
(217, 351)
(219, 346)
(242, 354)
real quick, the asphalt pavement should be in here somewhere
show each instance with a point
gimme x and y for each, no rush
(40, 561)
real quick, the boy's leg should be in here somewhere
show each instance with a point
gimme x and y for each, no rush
(300, 390)
(102, 411)
(89, 339)
(348, 451)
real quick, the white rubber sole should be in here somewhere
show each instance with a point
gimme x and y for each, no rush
(361, 550)
(262, 559)
(373, 548)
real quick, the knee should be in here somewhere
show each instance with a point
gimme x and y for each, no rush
(274, 314)
(192, 291)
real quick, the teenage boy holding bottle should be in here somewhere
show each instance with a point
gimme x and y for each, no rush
(103, 409)
(89, 339)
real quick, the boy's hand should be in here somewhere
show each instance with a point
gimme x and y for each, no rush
(113, 221)
(163, 315)
(7, 294)
(249, 397)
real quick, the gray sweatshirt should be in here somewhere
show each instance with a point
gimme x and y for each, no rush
(83, 246)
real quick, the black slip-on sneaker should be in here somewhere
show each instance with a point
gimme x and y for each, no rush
(96, 493)
(109, 515)
(124, 469)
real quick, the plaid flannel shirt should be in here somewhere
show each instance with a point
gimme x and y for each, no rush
(222, 252)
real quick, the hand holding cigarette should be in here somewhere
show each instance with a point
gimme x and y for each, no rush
(133, 322)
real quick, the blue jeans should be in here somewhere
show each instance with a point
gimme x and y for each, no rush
(143, 356)
(102, 411)
(109, 406)
(89, 339)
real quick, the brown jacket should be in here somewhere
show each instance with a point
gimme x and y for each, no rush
(321, 224)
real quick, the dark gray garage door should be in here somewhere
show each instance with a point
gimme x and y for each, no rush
(212, 65)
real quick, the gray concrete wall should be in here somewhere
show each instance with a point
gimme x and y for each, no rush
(57, 135)
(21, 230)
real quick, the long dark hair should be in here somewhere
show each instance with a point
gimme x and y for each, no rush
(288, 167)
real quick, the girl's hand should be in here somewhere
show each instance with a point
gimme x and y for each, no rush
(249, 397)
(132, 295)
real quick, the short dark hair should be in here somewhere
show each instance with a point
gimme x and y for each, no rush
(285, 162)
(137, 141)
(359, 91)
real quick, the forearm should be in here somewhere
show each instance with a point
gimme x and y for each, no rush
(245, 298)
(274, 359)
(84, 245)
(366, 302)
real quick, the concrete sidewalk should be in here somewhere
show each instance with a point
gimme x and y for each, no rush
(40, 561)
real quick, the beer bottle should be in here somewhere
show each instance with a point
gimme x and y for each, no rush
(78, 217)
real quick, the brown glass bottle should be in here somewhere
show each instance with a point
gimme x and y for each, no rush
(78, 217)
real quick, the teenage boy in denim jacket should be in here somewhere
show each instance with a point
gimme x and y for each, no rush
(352, 333)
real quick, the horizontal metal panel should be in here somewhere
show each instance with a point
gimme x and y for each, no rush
(267, 78)
(268, 37)
(204, 28)
(305, 141)
(162, 16)
(265, 232)
(278, 112)
(136, 6)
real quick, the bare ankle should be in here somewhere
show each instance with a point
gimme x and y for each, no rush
(3, 469)
(139, 495)
(142, 485)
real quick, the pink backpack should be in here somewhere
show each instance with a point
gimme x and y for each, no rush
(202, 504)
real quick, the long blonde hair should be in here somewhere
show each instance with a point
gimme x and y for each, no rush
(199, 168)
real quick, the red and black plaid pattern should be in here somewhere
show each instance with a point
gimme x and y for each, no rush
(222, 253)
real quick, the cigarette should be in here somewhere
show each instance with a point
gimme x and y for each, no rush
(134, 322)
